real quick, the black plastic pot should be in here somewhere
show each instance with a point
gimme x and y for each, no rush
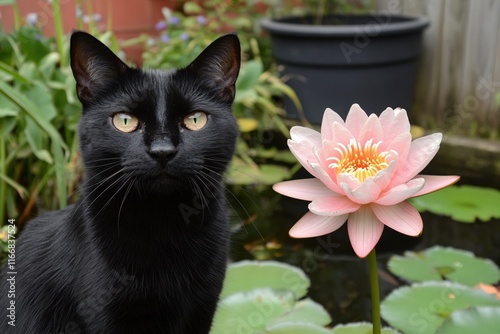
(367, 59)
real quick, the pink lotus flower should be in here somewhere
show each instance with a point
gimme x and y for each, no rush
(365, 169)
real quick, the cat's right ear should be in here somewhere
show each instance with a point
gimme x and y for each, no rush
(95, 67)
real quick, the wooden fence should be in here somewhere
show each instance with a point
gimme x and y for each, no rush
(458, 85)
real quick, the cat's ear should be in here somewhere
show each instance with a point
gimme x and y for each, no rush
(95, 67)
(220, 64)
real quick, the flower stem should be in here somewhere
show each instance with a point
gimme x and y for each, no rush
(372, 263)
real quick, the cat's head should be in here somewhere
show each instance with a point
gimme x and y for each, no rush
(151, 127)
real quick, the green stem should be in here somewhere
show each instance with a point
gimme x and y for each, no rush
(58, 26)
(372, 263)
(17, 15)
(3, 188)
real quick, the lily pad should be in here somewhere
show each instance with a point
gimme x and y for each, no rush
(296, 328)
(250, 312)
(438, 263)
(360, 328)
(462, 203)
(474, 320)
(307, 311)
(249, 275)
(423, 307)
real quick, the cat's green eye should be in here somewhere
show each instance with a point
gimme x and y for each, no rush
(125, 122)
(195, 121)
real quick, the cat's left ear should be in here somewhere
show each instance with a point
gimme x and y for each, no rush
(220, 64)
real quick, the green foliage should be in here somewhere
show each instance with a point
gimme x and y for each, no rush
(462, 203)
(482, 319)
(436, 306)
(360, 328)
(38, 117)
(424, 307)
(249, 275)
(439, 263)
(264, 297)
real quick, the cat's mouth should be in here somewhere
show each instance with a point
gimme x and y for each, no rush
(163, 182)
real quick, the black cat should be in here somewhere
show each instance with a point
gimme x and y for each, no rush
(145, 248)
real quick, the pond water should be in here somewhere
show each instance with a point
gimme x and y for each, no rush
(340, 280)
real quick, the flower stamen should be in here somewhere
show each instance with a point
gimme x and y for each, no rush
(360, 161)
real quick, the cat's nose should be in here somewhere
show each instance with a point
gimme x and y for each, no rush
(162, 150)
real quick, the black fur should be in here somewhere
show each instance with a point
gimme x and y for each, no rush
(145, 248)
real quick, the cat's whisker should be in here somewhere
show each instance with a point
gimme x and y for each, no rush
(199, 193)
(207, 176)
(130, 185)
(123, 176)
(96, 187)
(78, 189)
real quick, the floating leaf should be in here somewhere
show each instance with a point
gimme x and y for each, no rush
(439, 263)
(474, 320)
(251, 311)
(248, 275)
(360, 328)
(423, 307)
(462, 203)
(307, 311)
(296, 328)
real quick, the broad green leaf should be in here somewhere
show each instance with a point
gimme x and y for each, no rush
(474, 320)
(7, 125)
(423, 307)
(307, 311)
(462, 203)
(295, 328)
(48, 65)
(32, 110)
(249, 275)
(251, 311)
(37, 139)
(42, 97)
(360, 328)
(8, 71)
(285, 156)
(272, 174)
(439, 263)
(249, 75)
(7, 112)
(243, 173)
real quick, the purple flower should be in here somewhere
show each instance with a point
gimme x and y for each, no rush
(201, 19)
(184, 36)
(165, 38)
(160, 25)
(174, 20)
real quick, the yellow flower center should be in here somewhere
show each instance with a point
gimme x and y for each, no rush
(360, 161)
